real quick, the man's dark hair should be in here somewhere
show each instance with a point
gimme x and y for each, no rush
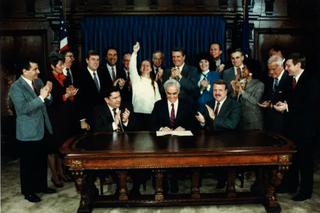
(25, 64)
(221, 82)
(109, 48)
(179, 50)
(91, 53)
(220, 47)
(298, 58)
(110, 90)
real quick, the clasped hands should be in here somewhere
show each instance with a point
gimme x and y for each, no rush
(124, 117)
(120, 81)
(279, 106)
(201, 118)
(175, 73)
(45, 91)
(71, 91)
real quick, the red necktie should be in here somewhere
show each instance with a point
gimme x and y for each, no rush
(172, 116)
(294, 83)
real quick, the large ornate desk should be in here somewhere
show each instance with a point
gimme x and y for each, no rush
(90, 153)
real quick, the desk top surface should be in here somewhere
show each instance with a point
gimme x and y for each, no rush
(201, 142)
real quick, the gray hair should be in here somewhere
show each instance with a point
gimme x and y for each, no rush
(171, 82)
(276, 59)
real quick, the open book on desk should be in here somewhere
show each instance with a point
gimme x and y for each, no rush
(178, 133)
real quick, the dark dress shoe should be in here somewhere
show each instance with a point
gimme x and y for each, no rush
(33, 198)
(49, 191)
(300, 197)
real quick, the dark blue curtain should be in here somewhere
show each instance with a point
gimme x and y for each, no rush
(193, 33)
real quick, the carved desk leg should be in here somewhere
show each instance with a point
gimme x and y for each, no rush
(123, 191)
(272, 204)
(81, 185)
(195, 190)
(159, 185)
(231, 192)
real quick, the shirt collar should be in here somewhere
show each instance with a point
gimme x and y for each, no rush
(298, 76)
(280, 76)
(221, 102)
(29, 82)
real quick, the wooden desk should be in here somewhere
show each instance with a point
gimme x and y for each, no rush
(89, 153)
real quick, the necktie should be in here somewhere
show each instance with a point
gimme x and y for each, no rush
(113, 73)
(216, 110)
(172, 116)
(96, 81)
(114, 110)
(294, 83)
(275, 84)
(35, 88)
(238, 73)
(69, 79)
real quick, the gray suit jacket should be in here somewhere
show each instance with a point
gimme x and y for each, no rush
(251, 115)
(31, 112)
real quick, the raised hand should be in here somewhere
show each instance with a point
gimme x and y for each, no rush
(211, 112)
(136, 47)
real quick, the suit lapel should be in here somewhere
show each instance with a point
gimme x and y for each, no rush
(224, 107)
(27, 88)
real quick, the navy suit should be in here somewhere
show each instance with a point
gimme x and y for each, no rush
(32, 123)
(276, 121)
(185, 115)
(103, 119)
(303, 127)
(189, 89)
(89, 96)
(228, 117)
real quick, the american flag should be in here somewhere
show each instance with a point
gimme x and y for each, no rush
(63, 34)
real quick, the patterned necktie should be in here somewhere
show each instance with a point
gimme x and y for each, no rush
(275, 84)
(96, 81)
(238, 73)
(172, 116)
(113, 73)
(216, 110)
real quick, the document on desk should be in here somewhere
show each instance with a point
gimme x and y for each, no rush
(177, 133)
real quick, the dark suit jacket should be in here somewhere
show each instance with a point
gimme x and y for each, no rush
(303, 106)
(185, 115)
(228, 117)
(276, 121)
(120, 73)
(102, 118)
(88, 94)
(189, 89)
(61, 113)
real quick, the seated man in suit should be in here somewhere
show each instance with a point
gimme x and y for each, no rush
(173, 113)
(114, 116)
(222, 113)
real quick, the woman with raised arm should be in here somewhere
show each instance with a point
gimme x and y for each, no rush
(145, 91)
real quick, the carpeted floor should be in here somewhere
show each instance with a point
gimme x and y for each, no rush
(67, 199)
